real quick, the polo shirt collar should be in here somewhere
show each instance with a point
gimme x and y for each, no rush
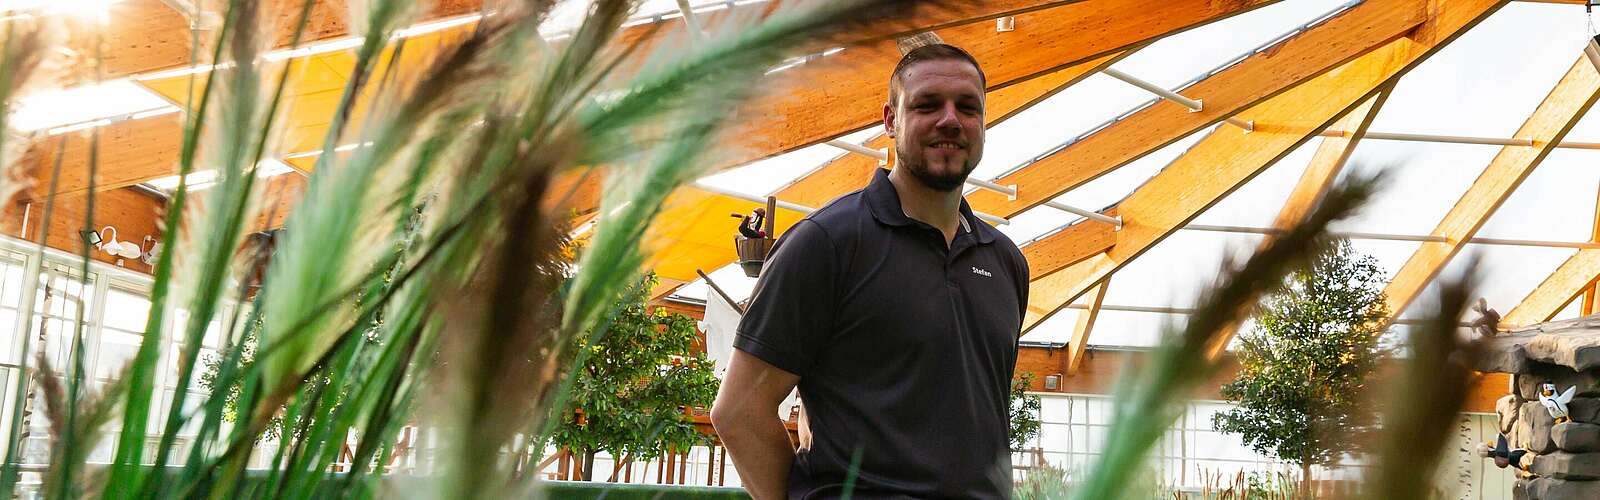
(884, 203)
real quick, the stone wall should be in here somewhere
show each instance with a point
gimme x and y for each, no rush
(1563, 459)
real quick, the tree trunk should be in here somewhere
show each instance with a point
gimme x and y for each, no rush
(588, 465)
(1305, 477)
(618, 466)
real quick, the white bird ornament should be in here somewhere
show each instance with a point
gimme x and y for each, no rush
(1556, 404)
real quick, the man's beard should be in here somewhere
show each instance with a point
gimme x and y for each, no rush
(939, 182)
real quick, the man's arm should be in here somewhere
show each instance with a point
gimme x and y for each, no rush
(746, 419)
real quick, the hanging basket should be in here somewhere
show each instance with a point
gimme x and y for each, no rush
(752, 253)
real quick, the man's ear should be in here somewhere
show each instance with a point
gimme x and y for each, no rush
(888, 119)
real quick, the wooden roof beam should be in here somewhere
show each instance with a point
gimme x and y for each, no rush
(826, 100)
(1084, 326)
(1299, 58)
(131, 152)
(1227, 158)
(1578, 274)
(845, 93)
(1364, 74)
(1057, 34)
(1555, 116)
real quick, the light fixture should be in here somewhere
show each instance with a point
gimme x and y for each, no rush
(110, 245)
(150, 256)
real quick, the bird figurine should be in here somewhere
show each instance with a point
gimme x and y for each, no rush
(1504, 456)
(750, 226)
(1556, 404)
(1488, 322)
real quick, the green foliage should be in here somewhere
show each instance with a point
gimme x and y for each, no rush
(422, 277)
(1024, 412)
(1151, 397)
(1305, 370)
(639, 377)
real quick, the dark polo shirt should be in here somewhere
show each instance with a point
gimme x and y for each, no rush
(904, 347)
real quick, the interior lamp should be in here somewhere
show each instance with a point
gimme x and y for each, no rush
(125, 249)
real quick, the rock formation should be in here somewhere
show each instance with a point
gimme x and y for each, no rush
(1565, 457)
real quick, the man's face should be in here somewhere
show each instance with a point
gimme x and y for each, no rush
(937, 122)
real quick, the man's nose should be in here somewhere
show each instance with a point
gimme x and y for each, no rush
(948, 118)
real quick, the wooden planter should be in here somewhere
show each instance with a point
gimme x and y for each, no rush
(752, 253)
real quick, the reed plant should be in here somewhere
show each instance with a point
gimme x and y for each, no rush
(423, 275)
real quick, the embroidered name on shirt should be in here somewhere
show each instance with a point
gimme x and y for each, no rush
(982, 272)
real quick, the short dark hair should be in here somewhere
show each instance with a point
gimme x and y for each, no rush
(930, 52)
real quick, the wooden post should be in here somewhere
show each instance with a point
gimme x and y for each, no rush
(722, 466)
(711, 472)
(772, 217)
(562, 465)
(1589, 292)
(683, 469)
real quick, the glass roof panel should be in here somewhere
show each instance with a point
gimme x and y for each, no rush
(1131, 329)
(1169, 62)
(1035, 222)
(1172, 273)
(1555, 203)
(1057, 119)
(764, 177)
(1100, 193)
(1257, 202)
(1176, 59)
(1489, 80)
(1423, 180)
(1573, 310)
(1505, 274)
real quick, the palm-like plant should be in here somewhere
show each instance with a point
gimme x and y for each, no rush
(440, 243)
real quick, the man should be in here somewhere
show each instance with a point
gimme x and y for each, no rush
(896, 313)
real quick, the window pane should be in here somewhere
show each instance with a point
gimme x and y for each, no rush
(8, 339)
(117, 350)
(64, 295)
(11, 282)
(126, 311)
(213, 335)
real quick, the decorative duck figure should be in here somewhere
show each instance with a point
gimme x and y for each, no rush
(1504, 456)
(1556, 404)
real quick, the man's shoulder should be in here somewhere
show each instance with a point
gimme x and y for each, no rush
(841, 217)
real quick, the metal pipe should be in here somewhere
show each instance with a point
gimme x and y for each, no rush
(1190, 310)
(1009, 191)
(859, 149)
(689, 19)
(701, 185)
(1403, 237)
(805, 209)
(1450, 139)
(1192, 104)
(1091, 215)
